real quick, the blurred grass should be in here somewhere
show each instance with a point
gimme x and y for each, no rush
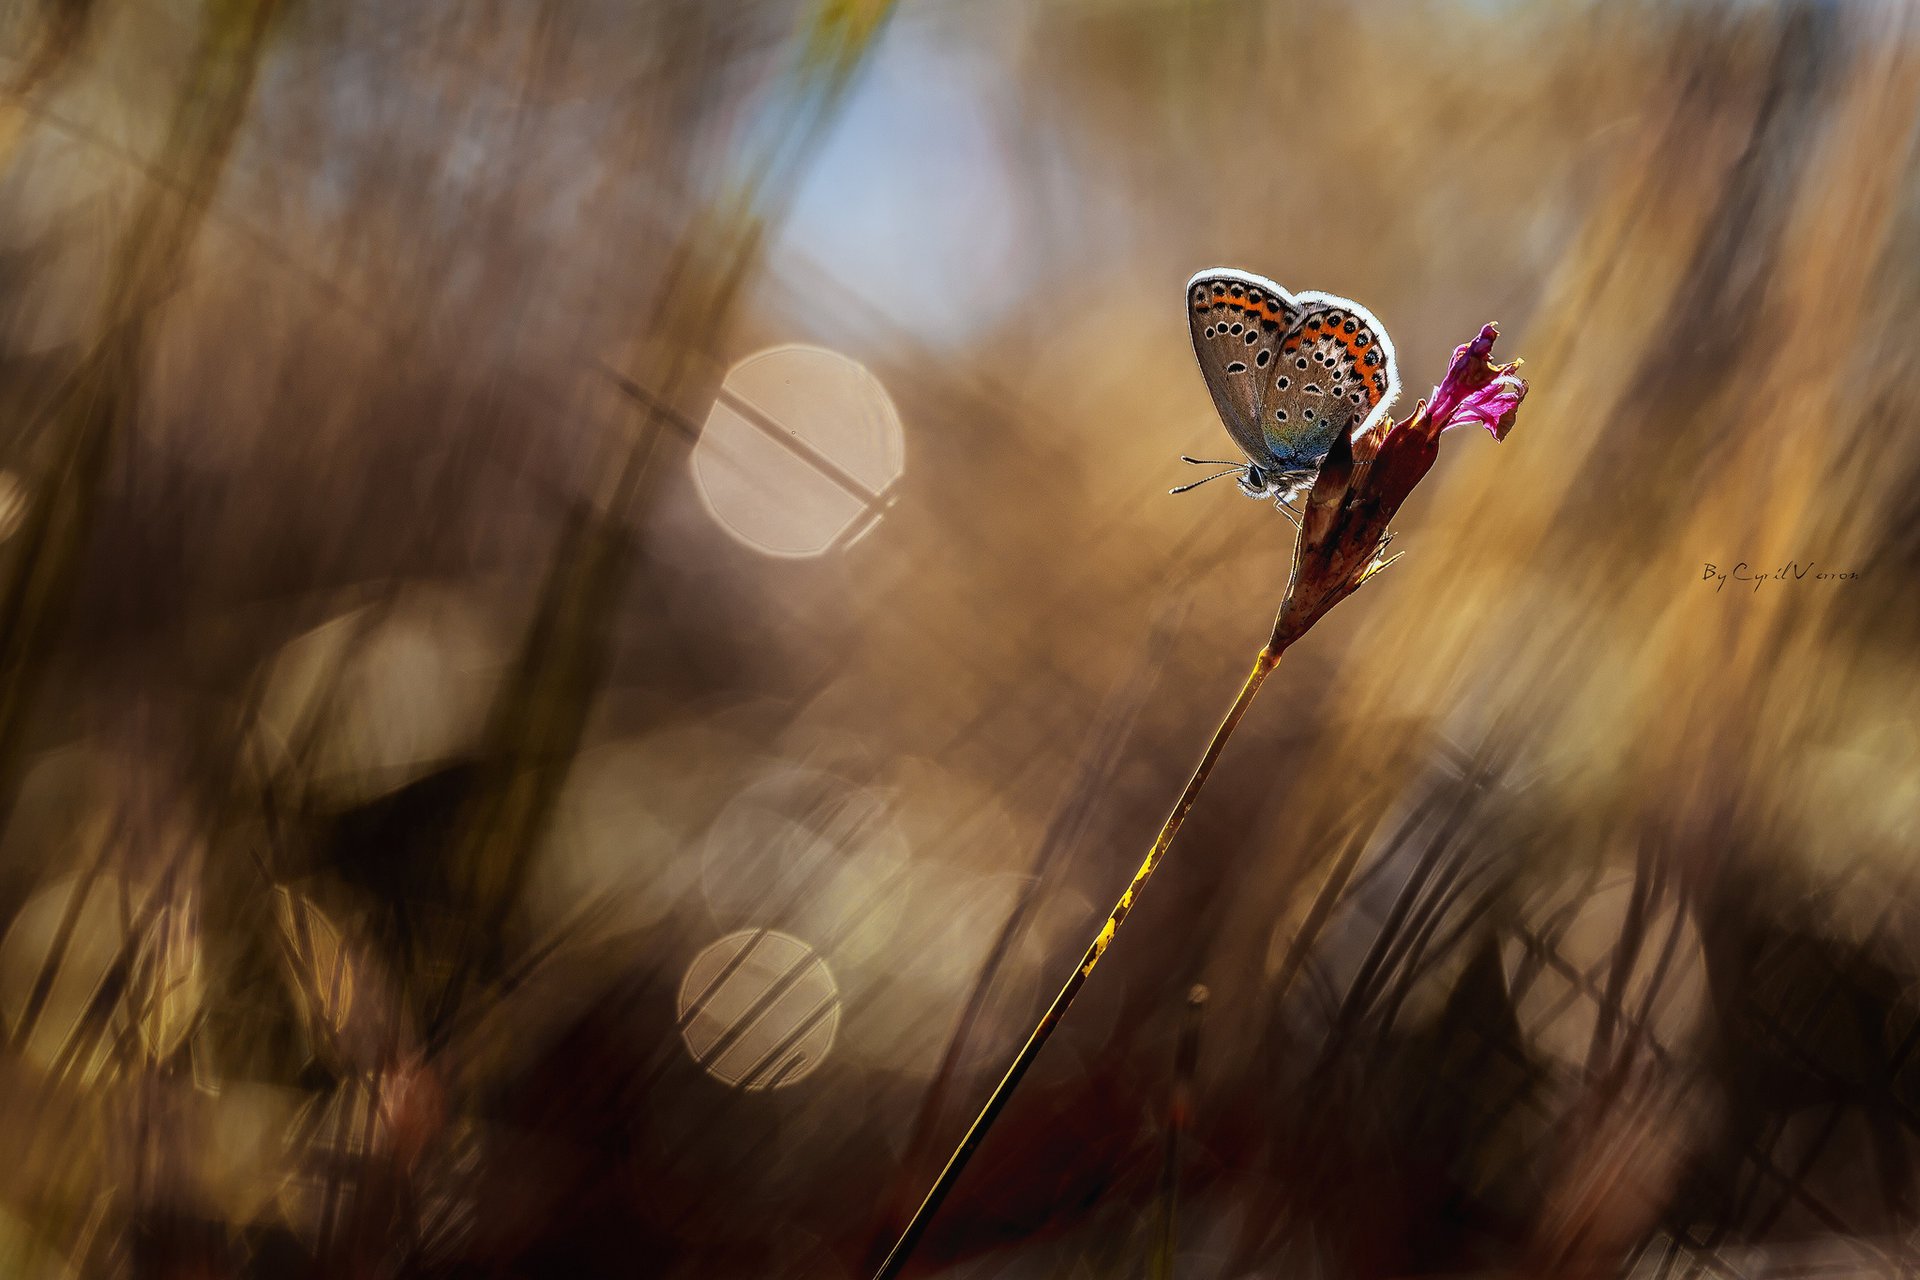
(350, 361)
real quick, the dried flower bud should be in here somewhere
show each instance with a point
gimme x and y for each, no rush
(1362, 483)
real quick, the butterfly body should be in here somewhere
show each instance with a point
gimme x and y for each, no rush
(1287, 372)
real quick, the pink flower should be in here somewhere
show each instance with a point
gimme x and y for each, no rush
(1361, 485)
(1477, 390)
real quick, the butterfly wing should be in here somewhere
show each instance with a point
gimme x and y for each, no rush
(1239, 322)
(1334, 372)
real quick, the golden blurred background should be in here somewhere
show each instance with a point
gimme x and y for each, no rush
(590, 620)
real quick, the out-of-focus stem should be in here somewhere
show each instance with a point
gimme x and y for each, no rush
(87, 416)
(538, 717)
(1179, 1115)
(1263, 666)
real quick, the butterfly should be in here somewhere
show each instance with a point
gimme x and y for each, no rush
(1288, 373)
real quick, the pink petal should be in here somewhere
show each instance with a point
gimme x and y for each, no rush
(1477, 390)
(1493, 406)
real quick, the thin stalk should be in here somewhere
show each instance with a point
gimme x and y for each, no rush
(1263, 666)
(1106, 747)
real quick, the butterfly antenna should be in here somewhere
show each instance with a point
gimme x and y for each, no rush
(1212, 462)
(1215, 476)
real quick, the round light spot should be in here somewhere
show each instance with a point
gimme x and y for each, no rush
(829, 851)
(800, 453)
(758, 1009)
(65, 946)
(1576, 952)
(378, 698)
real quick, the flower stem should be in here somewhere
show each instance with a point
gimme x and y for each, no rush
(1263, 666)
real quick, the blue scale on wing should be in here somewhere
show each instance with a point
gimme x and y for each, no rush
(1320, 389)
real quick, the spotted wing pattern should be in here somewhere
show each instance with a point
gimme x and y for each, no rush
(1335, 372)
(1288, 373)
(1239, 322)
